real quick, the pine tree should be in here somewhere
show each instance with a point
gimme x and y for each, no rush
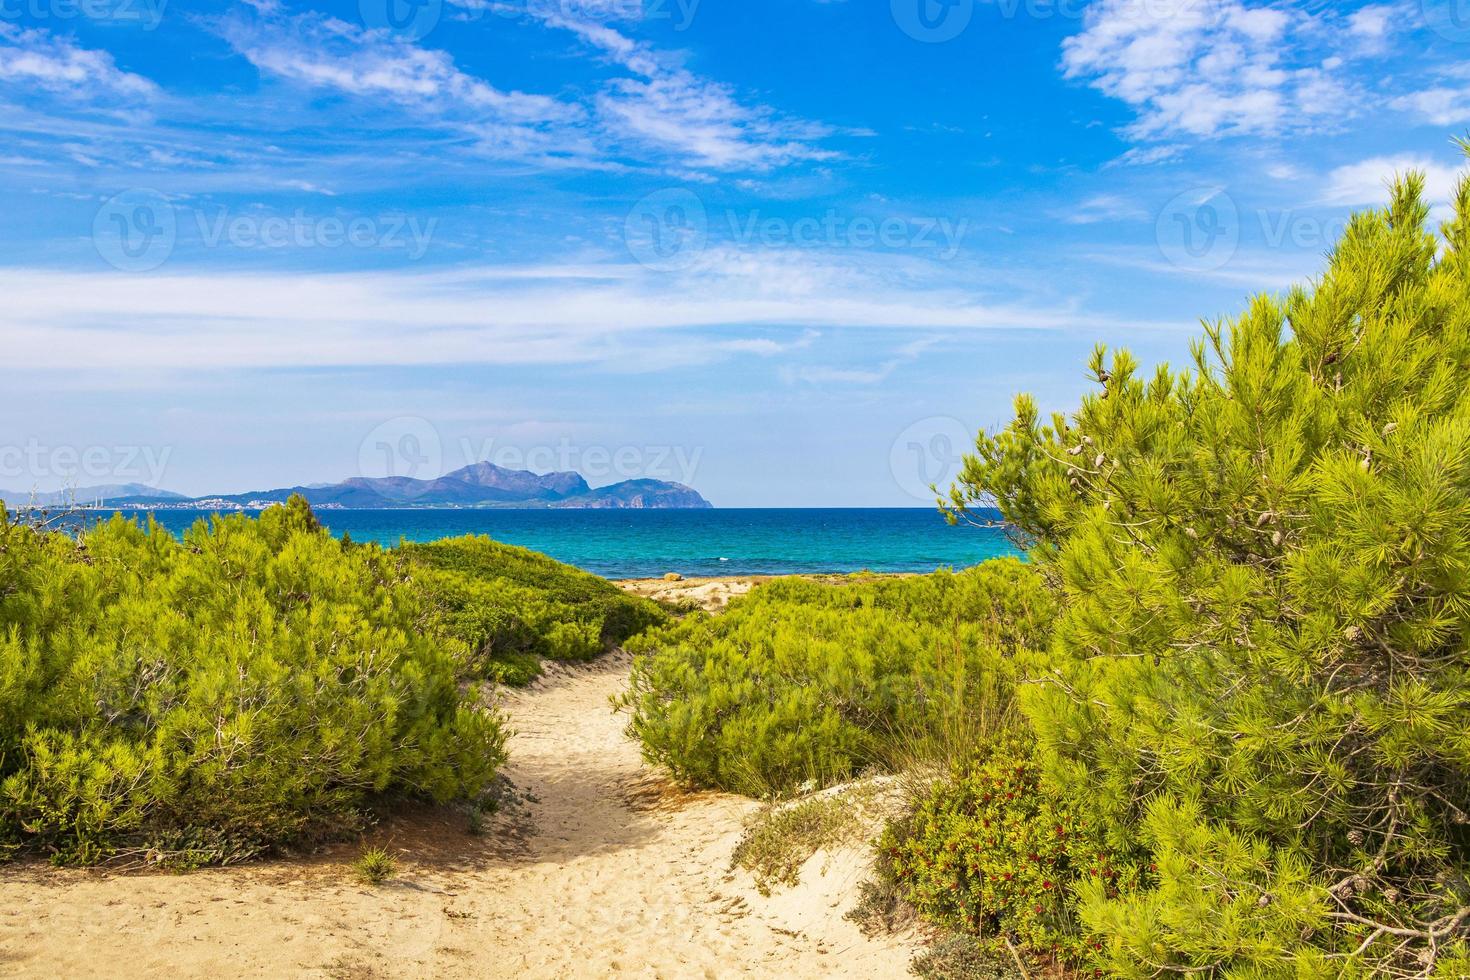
(1261, 671)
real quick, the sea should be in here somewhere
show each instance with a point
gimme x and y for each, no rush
(622, 544)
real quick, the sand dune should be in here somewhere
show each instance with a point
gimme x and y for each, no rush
(607, 870)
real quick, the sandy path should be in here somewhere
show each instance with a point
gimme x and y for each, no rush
(609, 872)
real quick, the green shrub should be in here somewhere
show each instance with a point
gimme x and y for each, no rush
(991, 853)
(198, 701)
(514, 607)
(804, 685)
(1262, 658)
(375, 866)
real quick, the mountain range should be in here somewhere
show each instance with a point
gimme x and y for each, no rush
(477, 485)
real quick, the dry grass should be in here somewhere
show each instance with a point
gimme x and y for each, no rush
(783, 837)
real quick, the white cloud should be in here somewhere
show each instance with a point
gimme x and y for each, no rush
(651, 104)
(700, 120)
(1100, 208)
(1209, 68)
(1439, 106)
(878, 373)
(497, 315)
(1374, 24)
(35, 59)
(1142, 156)
(322, 52)
(1367, 182)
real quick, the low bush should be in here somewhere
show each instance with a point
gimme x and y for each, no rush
(513, 607)
(375, 866)
(992, 853)
(200, 700)
(801, 685)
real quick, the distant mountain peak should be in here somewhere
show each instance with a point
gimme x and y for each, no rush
(482, 484)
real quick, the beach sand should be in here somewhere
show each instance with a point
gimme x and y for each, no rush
(607, 870)
(710, 594)
(714, 594)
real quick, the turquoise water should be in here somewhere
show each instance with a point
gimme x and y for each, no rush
(649, 543)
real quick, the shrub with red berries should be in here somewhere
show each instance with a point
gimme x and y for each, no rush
(991, 852)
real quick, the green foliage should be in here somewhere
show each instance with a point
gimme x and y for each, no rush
(992, 853)
(1262, 657)
(801, 684)
(200, 701)
(514, 607)
(375, 866)
(1230, 900)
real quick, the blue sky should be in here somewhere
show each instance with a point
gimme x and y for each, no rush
(788, 251)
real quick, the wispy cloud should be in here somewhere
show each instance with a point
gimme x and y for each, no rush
(821, 374)
(652, 111)
(479, 315)
(325, 53)
(37, 59)
(1100, 208)
(701, 121)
